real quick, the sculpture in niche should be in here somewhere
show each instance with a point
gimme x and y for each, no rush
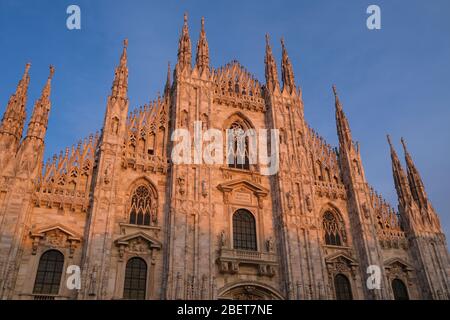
(115, 125)
(290, 199)
(223, 238)
(270, 244)
(181, 185)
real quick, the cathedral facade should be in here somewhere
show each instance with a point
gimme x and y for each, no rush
(114, 217)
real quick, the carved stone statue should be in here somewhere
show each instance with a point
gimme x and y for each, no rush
(270, 244)
(308, 203)
(204, 188)
(107, 175)
(290, 199)
(223, 239)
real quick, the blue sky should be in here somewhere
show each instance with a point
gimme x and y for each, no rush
(394, 80)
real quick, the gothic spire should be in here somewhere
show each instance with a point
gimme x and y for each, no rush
(39, 119)
(202, 58)
(400, 180)
(286, 70)
(184, 48)
(414, 179)
(271, 68)
(15, 113)
(343, 128)
(120, 83)
(168, 82)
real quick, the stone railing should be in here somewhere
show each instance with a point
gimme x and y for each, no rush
(35, 296)
(230, 259)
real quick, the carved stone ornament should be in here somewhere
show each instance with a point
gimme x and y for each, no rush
(55, 236)
(137, 243)
(181, 185)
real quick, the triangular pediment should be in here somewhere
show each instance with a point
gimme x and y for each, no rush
(126, 240)
(340, 256)
(71, 235)
(393, 261)
(243, 183)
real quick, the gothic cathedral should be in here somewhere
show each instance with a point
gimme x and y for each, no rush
(117, 211)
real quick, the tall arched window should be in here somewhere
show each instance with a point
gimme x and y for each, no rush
(342, 288)
(333, 229)
(135, 279)
(49, 273)
(244, 230)
(238, 147)
(141, 204)
(399, 289)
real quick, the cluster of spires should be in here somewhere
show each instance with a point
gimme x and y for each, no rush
(185, 49)
(233, 76)
(85, 148)
(386, 214)
(409, 186)
(146, 115)
(287, 73)
(327, 155)
(15, 114)
(202, 61)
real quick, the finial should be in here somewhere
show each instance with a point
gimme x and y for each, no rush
(389, 140)
(27, 67)
(282, 42)
(267, 39)
(404, 144)
(125, 43)
(334, 90)
(203, 23)
(52, 71)
(185, 18)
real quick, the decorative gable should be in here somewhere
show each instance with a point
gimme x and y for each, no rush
(55, 236)
(137, 243)
(243, 191)
(397, 265)
(341, 263)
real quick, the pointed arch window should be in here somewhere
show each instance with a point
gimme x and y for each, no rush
(238, 147)
(141, 204)
(135, 285)
(333, 229)
(399, 290)
(342, 287)
(244, 230)
(48, 277)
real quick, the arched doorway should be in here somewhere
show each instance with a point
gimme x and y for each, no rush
(249, 291)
